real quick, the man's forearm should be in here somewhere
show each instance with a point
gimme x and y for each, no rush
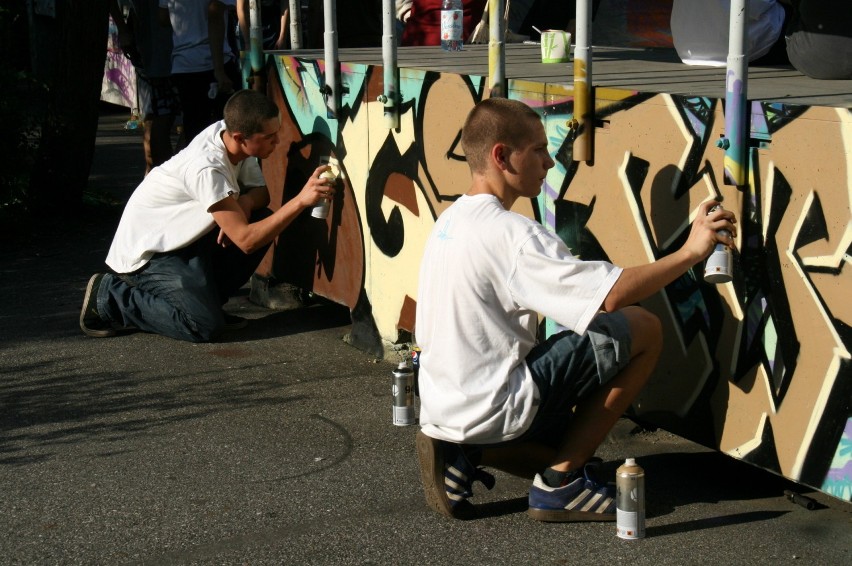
(257, 197)
(638, 283)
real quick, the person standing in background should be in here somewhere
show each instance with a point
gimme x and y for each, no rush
(205, 69)
(148, 45)
(274, 18)
(819, 40)
(423, 26)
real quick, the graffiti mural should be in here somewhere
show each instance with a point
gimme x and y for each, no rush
(758, 368)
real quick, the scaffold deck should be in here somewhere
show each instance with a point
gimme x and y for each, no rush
(642, 70)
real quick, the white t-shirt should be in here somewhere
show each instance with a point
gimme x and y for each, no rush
(486, 275)
(190, 38)
(700, 29)
(169, 209)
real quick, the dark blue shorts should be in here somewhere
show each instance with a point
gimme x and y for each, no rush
(568, 366)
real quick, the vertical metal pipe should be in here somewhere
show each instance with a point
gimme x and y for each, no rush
(332, 88)
(295, 24)
(496, 48)
(736, 92)
(390, 97)
(583, 124)
(255, 38)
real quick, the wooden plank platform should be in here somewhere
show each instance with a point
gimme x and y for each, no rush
(643, 70)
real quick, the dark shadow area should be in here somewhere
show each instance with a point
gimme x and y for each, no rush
(713, 523)
(285, 323)
(41, 414)
(505, 507)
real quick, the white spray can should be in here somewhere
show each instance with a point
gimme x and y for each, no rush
(630, 500)
(720, 265)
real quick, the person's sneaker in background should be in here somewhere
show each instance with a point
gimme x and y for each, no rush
(91, 322)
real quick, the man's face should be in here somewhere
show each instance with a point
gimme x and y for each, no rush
(529, 162)
(263, 143)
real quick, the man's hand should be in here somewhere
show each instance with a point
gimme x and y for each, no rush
(223, 239)
(704, 234)
(316, 188)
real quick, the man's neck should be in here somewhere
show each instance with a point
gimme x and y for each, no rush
(233, 148)
(483, 186)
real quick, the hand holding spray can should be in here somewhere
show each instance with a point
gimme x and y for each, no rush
(630, 500)
(720, 265)
(320, 209)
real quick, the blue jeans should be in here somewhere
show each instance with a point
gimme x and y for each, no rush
(180, 294)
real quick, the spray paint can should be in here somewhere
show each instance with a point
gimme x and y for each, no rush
(320, 209)
(720, 265)
(403, 395)
(630, 500)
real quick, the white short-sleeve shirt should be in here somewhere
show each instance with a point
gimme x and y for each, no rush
(170, 208)
(486, 275)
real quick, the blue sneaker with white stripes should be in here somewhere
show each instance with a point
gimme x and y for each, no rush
(448, 475)
(584, 499)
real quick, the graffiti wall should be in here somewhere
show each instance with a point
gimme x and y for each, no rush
(758, 368)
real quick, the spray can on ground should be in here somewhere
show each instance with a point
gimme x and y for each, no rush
(403, 395)
(630, 500)
(720, 265)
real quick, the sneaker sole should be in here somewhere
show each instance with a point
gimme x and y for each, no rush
(94, 333)
(567, 516)
(432, 478)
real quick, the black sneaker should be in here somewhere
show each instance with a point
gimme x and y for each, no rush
(234, 322)
(91, 322)
(448, 475)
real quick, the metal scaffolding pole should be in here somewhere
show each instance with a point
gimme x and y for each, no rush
(736, 102)
(331, 89)
(496, 48)
(295, 24)
(390, 96)
(583, 122)
(256, 81)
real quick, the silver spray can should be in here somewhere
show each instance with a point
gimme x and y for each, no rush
(720, 265)
(403, 395)
(630, 500)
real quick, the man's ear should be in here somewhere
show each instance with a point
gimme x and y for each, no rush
(239, 137)
(500, 155)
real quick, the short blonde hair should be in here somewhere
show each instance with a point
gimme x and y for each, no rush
(493, 121)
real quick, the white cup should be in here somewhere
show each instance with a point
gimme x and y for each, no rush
(555, 46)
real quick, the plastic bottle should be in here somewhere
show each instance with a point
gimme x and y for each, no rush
(630, 500)
(452, 25)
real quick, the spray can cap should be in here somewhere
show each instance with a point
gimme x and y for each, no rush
(630, 462)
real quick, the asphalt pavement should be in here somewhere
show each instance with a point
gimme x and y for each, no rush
(275, 445)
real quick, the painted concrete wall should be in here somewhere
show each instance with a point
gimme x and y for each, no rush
(758, 368)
